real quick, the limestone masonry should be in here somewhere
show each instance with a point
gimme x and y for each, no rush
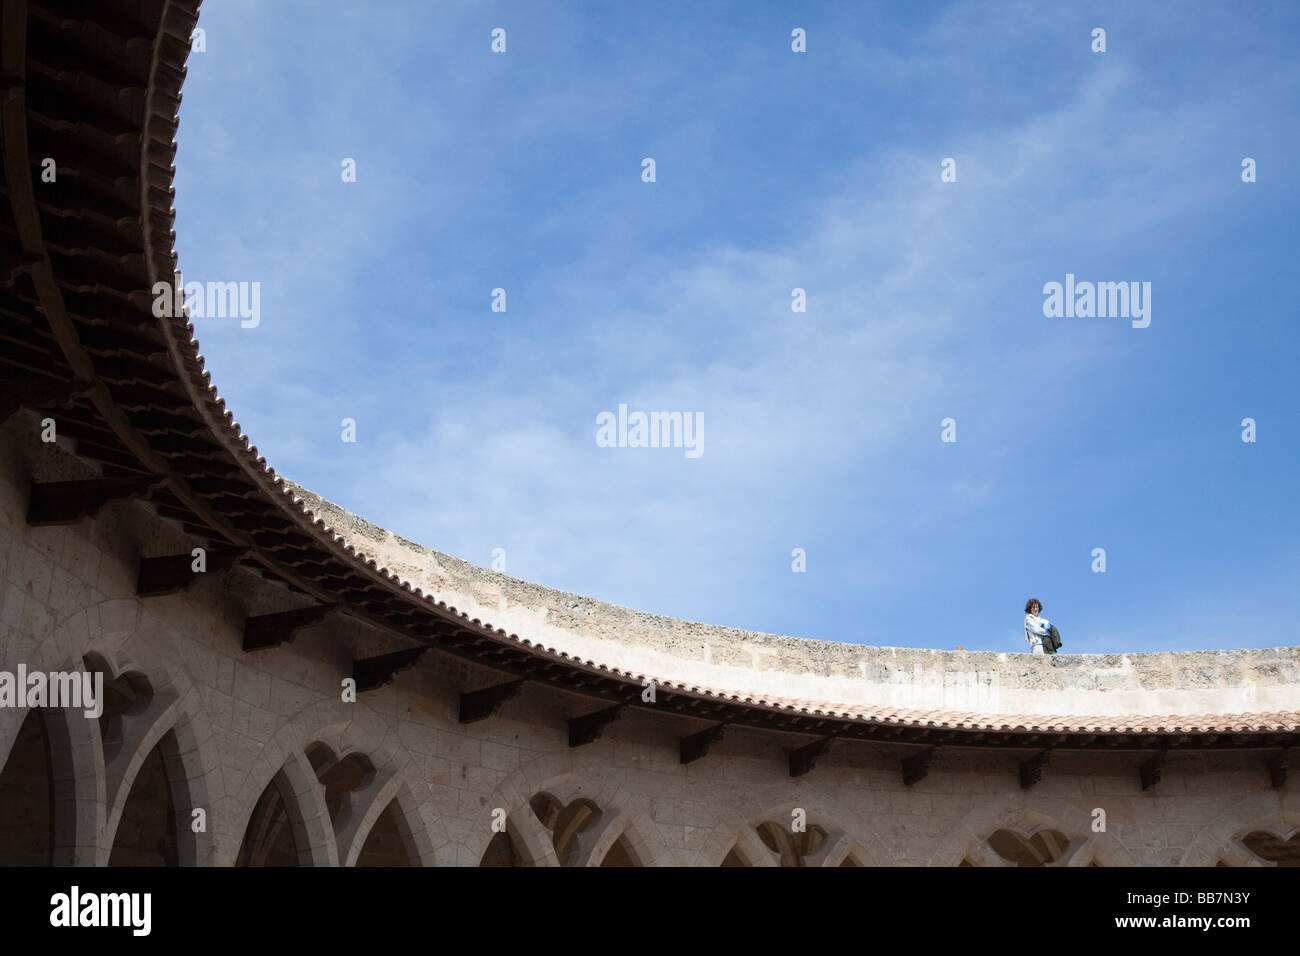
(275, 681)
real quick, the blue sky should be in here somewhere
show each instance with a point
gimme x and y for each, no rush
(776, 170)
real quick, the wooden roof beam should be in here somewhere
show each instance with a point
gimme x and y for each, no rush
(917, 767)
(1031, 770)
(695, 746)
(272, 630)
(583, 730)
(803, 759)
(1277, 768)
(479, 705)
(38, 393)
(1152, 769)
(66, 502)
(172, 572)
(371, 673)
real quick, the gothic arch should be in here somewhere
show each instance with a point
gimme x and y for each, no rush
(61, 647)
(322, 720)
(173, 721)
(514, 794)
(363, 807)
(73, 792)
(1085, 847)
(839, 844)
(1274, 811)
(396, 782)
(308, 817)
(553, 774)
(76, 767)
(745, 843)
(92, 781)
(625, 819)
(76, 753)
(98, 631)
(347, 729)
(632, 827)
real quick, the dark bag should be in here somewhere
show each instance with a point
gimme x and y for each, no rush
(1052, 642)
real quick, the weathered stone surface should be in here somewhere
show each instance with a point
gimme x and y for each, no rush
(242, 719)
(1199, 682)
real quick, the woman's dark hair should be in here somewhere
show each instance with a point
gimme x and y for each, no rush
(1031, 602)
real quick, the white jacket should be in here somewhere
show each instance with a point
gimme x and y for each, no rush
(1036, 628)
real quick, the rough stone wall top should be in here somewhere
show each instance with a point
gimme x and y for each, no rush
(830, 673)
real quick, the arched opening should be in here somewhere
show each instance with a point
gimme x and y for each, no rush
(385, 845)
(388, 843)
(793, 847)
(269, 839)
(1045, 846)
(546, 808)
(1271, 847)
(26, 794)
(565, 823)
(126, 695)
(340, 777)
(620, 854)
(147, 832)
(322, 758)
(502, 851)
(733, 859)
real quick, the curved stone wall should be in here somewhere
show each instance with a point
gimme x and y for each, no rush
(231, 725)
(833, 673)
(218, 750)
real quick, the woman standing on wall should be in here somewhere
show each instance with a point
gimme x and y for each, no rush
(1042, 635)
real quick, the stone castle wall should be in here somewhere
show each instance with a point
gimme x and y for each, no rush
(228, 723)
(1196, 682)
